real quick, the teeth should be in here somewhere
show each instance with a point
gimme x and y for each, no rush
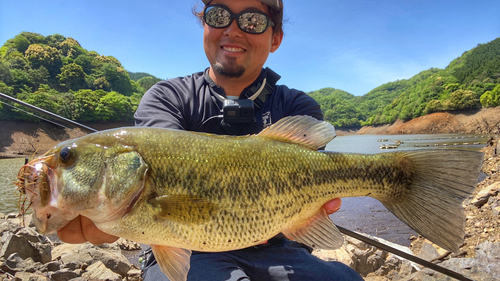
(233, 49)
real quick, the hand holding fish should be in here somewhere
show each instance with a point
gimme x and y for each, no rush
(81, 230)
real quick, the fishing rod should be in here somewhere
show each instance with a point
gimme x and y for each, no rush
(402, 254)
(347, 232)
(53, 115)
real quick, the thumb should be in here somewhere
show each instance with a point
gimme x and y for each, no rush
(332, 206)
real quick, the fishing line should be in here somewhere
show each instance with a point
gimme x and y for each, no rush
(32, 114)
(53, 115)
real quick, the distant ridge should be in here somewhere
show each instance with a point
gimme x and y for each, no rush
(468, 82)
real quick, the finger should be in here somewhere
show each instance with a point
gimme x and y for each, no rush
(93, 234)
(332, 206)
(72, 233)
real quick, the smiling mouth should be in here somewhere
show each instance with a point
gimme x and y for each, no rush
(233, 49)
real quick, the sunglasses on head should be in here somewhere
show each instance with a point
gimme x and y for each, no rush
(254, 22)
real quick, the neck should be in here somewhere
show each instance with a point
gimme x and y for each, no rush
(232, 86)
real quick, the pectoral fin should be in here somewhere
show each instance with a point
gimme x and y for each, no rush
(318, 233)
(174, 262)
(184, 208)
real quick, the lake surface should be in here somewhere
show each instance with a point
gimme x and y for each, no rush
(9, 197)
(361, 214)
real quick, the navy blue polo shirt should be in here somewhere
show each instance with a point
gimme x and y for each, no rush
(187, 103)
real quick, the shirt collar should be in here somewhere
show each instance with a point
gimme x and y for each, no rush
(246, 93)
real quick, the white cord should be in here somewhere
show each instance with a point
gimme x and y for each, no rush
(253, 97)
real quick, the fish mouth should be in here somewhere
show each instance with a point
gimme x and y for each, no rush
(33, 184)
(37, 185)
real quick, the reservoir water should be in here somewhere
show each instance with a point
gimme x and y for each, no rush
(361, 214)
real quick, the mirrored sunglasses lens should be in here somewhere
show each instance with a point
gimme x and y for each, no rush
(253, 22)
(217, 17)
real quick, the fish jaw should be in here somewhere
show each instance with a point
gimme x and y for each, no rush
(38, 181)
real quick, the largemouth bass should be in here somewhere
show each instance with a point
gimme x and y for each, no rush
(180, 191)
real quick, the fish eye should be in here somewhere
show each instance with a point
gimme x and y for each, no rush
(66, 154)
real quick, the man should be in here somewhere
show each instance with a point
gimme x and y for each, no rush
(238, 38)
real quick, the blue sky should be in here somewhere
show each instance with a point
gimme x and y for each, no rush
(352, 45)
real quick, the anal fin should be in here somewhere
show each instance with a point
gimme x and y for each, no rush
(174, 262)
(318, 233)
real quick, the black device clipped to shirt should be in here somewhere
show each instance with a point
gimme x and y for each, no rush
(238, 111)
(243, 110)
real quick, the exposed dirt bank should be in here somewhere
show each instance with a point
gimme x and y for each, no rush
(21, 139)
(484, 121)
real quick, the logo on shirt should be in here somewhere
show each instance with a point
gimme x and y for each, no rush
(266, 119)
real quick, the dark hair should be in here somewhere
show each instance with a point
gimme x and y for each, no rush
(276, 15)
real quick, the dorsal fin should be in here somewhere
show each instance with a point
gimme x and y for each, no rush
(302, 130)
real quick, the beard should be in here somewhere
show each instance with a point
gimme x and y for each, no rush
(230, 69)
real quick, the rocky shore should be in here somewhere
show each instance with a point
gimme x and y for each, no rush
(27, 255)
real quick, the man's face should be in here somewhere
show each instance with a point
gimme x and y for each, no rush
(234, 53)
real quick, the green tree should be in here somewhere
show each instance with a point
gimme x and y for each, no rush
(38, 76)
(35, 54)
(433, 106)
(462, 99)
(72, 76)
(491, 98)
(4, 89)
(42, 99)
(406, 113)
(99, 61)
(6, 75)
(114, 107)
(17, 63)
(118, 79)
(47, 56)
(86, 103)
(54, 40)
(20, 80)
(21, 43)
(67, 106)
(148, 82)
(71, 48)
(85, 62)
(33, 38)
(101, 84)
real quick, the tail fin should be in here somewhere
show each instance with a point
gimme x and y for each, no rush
(433, 207)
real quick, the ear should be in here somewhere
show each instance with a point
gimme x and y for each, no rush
(277, 38)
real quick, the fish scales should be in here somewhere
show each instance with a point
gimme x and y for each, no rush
(262, 190)
(180, 191)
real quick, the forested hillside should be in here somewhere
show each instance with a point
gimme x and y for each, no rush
(469, 82)
(57, 74)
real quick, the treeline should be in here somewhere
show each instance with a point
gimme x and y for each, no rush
(57, 74)
(471, 81)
